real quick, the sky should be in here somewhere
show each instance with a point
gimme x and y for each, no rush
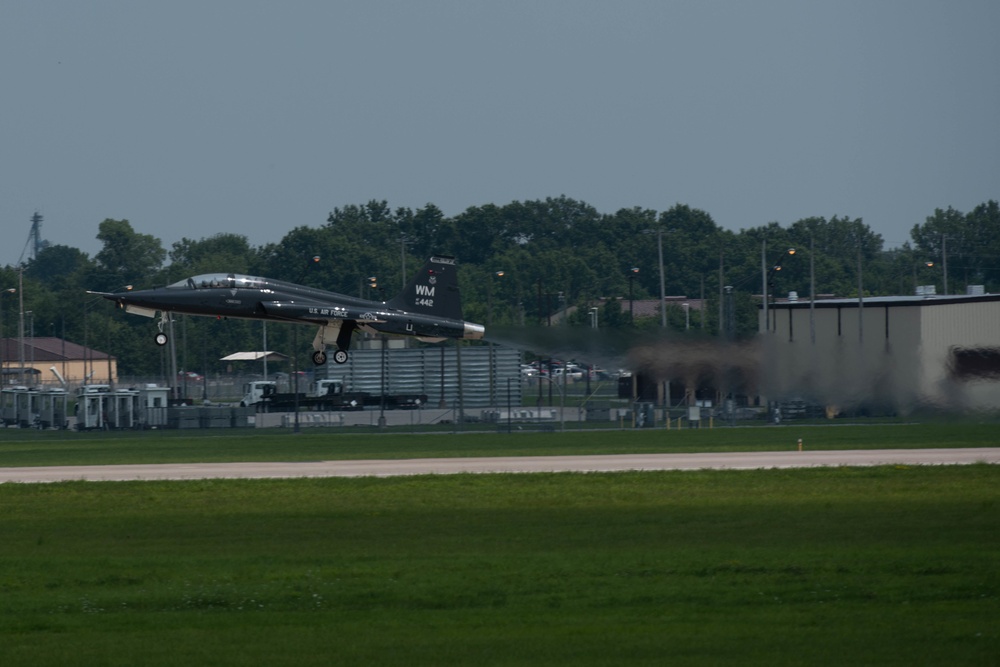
(194, 118)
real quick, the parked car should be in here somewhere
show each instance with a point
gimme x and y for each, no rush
(569, 373)
(598, 373)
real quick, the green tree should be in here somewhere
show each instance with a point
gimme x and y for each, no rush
(57, 266)
(221, 253)
(127, 257)
(969, 242)
(982, 260)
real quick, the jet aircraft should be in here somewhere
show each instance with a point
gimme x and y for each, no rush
(429, 307)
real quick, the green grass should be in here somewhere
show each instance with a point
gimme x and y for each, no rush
(887, 565)
(38, 448)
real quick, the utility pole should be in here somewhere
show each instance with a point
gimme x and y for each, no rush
(20, 321)
(812, 290)
(663, 289)
(944, 261)
(264, 322)
(861, 299)
(763, 280)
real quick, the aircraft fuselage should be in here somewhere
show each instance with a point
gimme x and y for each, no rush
(429, 306)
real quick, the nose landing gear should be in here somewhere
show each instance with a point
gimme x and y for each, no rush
(161, 338)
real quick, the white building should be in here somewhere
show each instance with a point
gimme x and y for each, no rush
(892, 352)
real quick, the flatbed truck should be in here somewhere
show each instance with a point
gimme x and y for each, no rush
(325, 395)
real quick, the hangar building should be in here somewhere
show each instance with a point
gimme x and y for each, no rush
(897, 353)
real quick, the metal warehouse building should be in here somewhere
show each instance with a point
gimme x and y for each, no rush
(896, 353)
(467, 376)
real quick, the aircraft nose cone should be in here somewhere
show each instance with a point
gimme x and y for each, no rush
(474, 331)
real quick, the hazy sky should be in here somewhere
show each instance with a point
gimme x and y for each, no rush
(195, 118)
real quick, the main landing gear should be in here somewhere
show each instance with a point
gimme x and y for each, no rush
(339, 331)
(319, 357)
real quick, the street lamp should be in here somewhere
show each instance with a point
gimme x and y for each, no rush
(768, 276)
(489, 297)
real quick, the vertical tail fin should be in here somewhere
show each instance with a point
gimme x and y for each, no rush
(433, 290)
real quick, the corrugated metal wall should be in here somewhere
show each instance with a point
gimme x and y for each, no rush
(903, 359)
(434, 371)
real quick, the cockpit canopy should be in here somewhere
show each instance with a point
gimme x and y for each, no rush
(217, 280)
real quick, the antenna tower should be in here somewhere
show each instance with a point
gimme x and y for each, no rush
(34, 242)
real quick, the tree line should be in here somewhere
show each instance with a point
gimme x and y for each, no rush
(518, 263)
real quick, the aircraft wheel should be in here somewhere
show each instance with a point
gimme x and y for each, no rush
(161, 339)
(319, 357)
(340, 357)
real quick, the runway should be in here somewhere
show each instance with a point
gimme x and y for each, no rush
(520, 464)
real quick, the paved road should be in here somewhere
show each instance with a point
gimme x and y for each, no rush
(521, 464)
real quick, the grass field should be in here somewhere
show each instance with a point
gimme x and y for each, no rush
(884, 565)
(30, 448)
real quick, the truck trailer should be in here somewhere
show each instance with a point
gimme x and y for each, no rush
(324, 395)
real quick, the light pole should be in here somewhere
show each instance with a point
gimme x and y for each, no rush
(489, 323)
(767, 278)
(3, 341)
(381, 401)
(812, 290)
(403, 240)
(489, 297)
(264, 357)
(31, 335)
(295, 350)
(729, 313)
(663, 286)
(916, 278)
(944, 261)
(631, 284)
(20, 321)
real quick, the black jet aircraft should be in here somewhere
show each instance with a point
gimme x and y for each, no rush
(429, 307)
